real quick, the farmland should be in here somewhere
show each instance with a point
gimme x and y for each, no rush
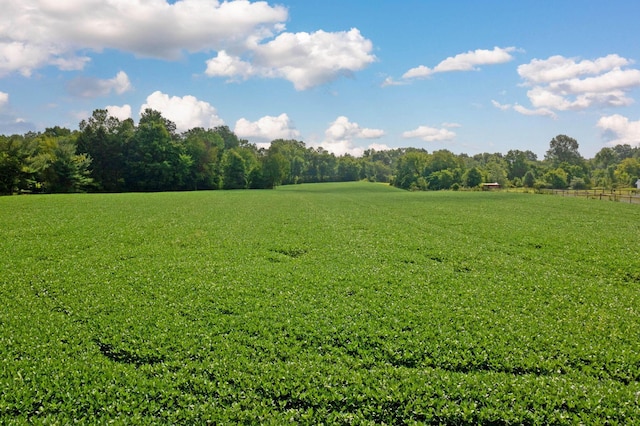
(343, 303)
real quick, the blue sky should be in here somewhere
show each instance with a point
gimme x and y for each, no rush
(468, 76)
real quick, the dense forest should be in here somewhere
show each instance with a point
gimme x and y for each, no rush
(110, 155)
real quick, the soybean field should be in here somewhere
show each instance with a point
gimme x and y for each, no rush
(335, 303)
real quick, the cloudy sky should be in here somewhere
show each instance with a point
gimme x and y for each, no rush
(469, 76)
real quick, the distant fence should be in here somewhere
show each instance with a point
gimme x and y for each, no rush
(622, 195)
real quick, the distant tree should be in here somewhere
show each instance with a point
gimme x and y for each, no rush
(604, 158)
(409, 168)
(628, 171)
(296, 154)
(58, 167)
(496, 171)
(205, 147)
(626, 151)
(155, 160)
(556, 178)
(230, 138)
(518, 163)
(578, 183)
(275, 168)
(529, 180)
(442, 179)
(104, 138)
(348, 168)
(441, 160)
(562, 148)
(472, 178)
(15, 171)
(235, 174)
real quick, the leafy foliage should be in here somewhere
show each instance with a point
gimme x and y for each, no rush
(340, 303)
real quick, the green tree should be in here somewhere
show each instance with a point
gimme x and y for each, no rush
(234, 170)
(348, 168)
(275, 168)
(442, 179)
(556, 178)
(441, 160)
(205, 147)
(296, 154)
(472, 178)
(519, 163)
(58, 167)
(155, 161)
(563, 149)
(15, 171)
(529, 180)
(105, 138)
(409, 168)
(628, 171)
(230, 139)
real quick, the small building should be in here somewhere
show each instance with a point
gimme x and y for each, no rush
(490, 185)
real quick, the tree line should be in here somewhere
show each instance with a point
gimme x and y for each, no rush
(111, 155)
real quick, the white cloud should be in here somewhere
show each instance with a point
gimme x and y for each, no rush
(540, 111)
(267, 128)
(340, 135)
(379, 147)
(120, 112)
(391, 82)
(305, 59)
(224, 65)
(564, 84)
(429, 134)
(92, 87)
(451, 125)
(525, 111)
(558, 68)
(468, 61)
(52, 32)
(4, 100)
(186, 112)
(37, 33)
(620, 129)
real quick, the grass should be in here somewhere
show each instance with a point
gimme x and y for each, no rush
(337, 303)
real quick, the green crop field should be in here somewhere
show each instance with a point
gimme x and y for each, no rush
(349, 303)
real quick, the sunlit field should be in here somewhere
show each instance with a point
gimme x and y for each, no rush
(343, 303)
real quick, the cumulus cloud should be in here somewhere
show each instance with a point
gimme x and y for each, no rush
(340, 136)
(430, 134)
(37, 33)
(120, 112)
(468, 61)
(248, 37)
(305, 59)
(186, 112)
(267, 128)
(620, 130)
(559, 68)
(566, 84)
(93, 87)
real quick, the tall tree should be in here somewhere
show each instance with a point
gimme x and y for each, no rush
(234, 170)
(59, 168)
(563, 148)
(105, 138)
(155, 161)
(15, 171)
(205, 147)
